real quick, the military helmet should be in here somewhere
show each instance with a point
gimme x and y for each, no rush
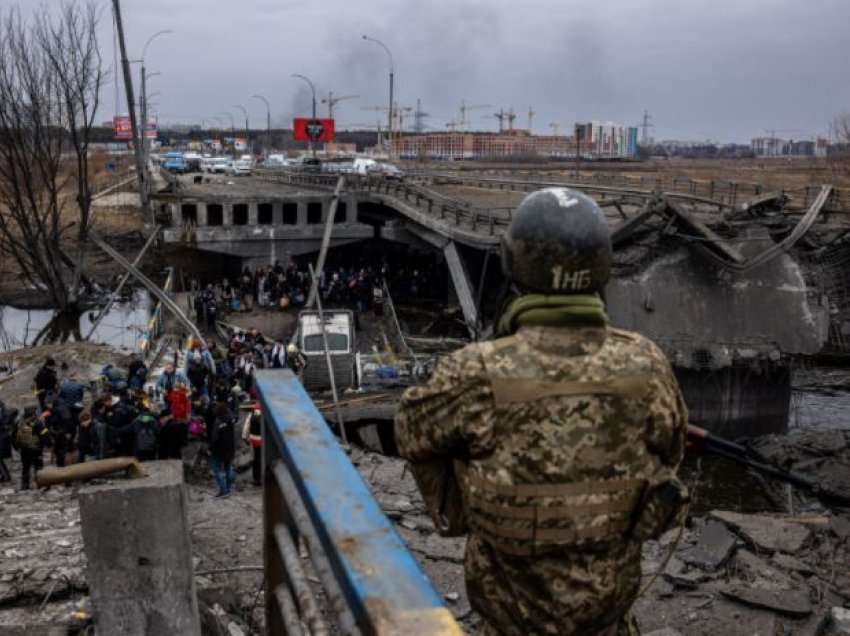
(558, 243)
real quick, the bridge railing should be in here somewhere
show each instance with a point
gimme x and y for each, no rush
(154, 328)
(314, 499)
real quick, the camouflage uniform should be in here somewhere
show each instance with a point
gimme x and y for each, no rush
(565, 435)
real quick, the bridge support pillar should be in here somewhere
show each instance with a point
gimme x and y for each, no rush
(253, 213)
(462, 285)
(202, 213)
(228, 214)
(302, 213)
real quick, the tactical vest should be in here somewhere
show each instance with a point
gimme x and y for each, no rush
(589, 501)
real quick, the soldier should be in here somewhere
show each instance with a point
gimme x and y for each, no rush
(564, 436)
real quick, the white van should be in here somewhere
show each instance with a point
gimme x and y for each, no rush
(363, 166)
(217, 165)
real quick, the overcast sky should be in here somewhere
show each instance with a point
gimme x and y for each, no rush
(725, 70)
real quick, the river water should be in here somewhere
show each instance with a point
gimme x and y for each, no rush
(121, 328)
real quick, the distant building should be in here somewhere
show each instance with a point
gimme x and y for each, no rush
(607, 139)
(821, 147)
(597, 141)
(775, 147)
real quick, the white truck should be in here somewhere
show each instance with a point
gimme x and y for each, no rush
(339, 328)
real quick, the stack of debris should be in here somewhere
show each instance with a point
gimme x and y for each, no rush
(750, 574)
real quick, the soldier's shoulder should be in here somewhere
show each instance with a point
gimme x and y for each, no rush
(634, 343)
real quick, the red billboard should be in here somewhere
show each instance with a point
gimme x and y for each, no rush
(307, 129)
(121, 127)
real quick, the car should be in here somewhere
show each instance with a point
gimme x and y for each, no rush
(217, 165)
(241, 167)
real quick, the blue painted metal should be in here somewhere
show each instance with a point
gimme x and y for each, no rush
(383, 585)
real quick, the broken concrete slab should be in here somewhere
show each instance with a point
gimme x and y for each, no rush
(835, 623)
(788, 562)
(756, 570)
(766, 533)
(681, 575)
(139, 555)
(714, 545)
(788, 602)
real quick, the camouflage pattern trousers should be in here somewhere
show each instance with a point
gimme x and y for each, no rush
(582, 593)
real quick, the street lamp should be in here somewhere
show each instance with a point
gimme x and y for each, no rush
(247, 129)
(392, 75)
(313, 89)
(144, 105)
(268, 122)
(232, 130)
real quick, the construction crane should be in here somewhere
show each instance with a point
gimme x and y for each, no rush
(418, 116)
(556, 128)
(464, 109)
(510, 116)
(332, 101)
(398, 114)
(531, 115)
(501, 115)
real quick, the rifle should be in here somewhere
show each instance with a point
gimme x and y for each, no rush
(703, 440)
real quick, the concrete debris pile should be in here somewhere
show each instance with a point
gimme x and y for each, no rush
(42, 562)
(745, 574)
(823, 455)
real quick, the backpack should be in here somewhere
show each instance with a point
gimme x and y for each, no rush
(146, 435)
(25, 437)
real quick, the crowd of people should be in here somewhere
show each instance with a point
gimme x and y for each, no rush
(361, 287)
(122, 414)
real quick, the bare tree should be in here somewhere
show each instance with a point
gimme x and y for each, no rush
(49, 84)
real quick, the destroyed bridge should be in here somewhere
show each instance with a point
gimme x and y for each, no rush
(735, 283)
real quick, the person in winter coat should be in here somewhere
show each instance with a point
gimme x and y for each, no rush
(252, 434)
(222, 440)
(57, 418)
(85, 437)
(170, 378)
(46, 382)
(172, 436)
(197, 374)
(144, 429)
(30, 436)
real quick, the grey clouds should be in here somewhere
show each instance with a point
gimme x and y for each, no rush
(725, 70)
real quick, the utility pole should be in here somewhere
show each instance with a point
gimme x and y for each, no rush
(418, 116)
(131, 106)
(392, 81)
(531, 114)
(312, 147)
